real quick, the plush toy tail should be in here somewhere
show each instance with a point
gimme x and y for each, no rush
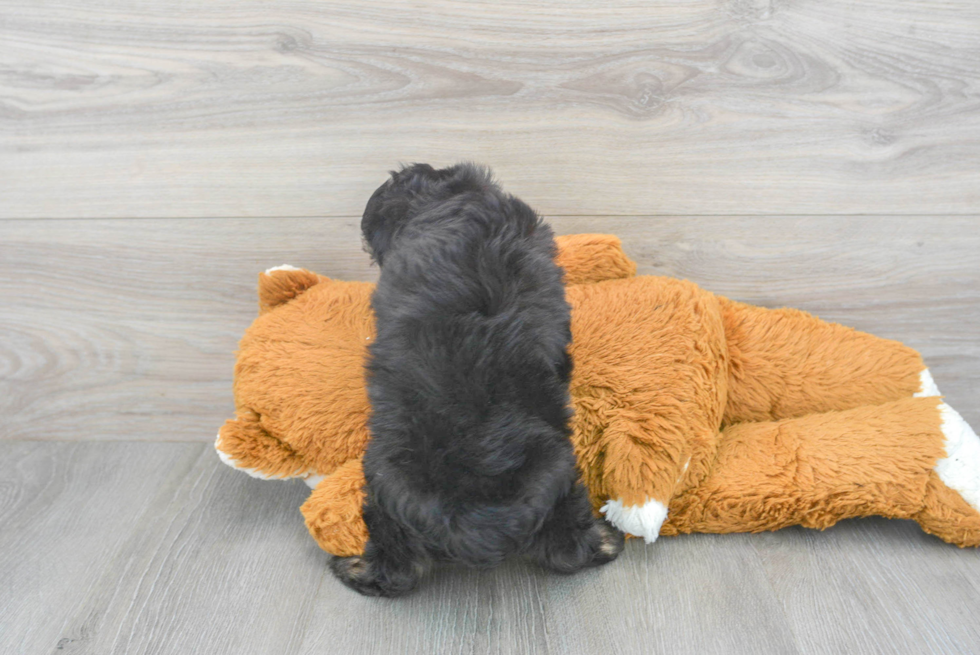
(910, 459)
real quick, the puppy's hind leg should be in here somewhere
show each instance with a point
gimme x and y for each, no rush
(572, 538)
(389, 566)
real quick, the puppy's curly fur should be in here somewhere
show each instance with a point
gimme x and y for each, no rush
(470, 459)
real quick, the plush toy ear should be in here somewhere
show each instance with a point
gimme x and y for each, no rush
(593, 258)
(333, 512)
(283, 283)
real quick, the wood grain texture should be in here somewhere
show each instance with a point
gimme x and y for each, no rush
(686, 595)
(126, 329)
(842, 589)
(250, 108)
(136, 548)
(68, 513)
(146, 548)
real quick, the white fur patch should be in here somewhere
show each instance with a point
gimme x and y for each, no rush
(638, 520)
(284, 267)
(960, 469)
(313, 480)
(927, 386)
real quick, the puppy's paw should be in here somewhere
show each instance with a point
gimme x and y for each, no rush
(598, 544)
(367, 578)
(356, 573)
(609, 544)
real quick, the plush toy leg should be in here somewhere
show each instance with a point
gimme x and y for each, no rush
(643, 464)
(911, 459)
(333, 512)
(786, 363)
(648, 393)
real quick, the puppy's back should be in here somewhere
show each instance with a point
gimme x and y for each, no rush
(468, 375)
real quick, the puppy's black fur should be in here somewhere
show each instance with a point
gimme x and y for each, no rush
(470, 459)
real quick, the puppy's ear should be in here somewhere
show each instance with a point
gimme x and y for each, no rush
(385, 211)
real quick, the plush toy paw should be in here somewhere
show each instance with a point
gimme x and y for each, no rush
(927, 386)
(960, 469)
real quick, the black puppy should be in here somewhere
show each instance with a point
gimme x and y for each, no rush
(470, 459)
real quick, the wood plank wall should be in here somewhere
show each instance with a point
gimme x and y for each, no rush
(155, 156)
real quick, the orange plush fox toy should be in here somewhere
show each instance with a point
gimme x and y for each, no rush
(693, 413)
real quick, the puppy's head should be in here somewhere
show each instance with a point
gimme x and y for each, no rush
(409, 191)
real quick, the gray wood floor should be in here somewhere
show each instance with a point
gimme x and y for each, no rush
(155, 156)
(158, 548)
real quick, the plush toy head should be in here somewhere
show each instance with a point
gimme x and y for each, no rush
(692, 412)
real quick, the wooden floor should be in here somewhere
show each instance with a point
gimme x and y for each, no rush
(155, 156)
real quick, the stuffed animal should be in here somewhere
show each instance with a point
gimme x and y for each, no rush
(692, 412)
